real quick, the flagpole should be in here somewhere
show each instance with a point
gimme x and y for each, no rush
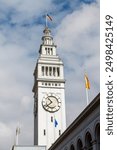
(87, 96)
(16, 142)
(54, 126)
(17, 135)
(46, 20)
(87, 86)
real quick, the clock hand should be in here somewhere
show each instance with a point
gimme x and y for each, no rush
(49, 102)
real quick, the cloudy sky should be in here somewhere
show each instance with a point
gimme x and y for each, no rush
(75, 29)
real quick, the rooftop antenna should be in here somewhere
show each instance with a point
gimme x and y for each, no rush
(17, 134)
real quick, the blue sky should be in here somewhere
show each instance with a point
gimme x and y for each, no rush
(75, 28)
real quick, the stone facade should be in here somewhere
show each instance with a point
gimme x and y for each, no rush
(84, 132)
(49, 94)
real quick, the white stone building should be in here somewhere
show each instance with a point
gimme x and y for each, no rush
(49, 107)
(49, 94)
(84, 132)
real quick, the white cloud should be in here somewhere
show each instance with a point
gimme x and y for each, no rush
(5, 135)
(26, 10)
(78, 42)
(79, 29)
(25, 102)
(28, 6)
(77, 38)
(5, 130)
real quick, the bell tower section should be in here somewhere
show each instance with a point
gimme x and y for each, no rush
(49, 94)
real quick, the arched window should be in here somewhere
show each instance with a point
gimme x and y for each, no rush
(88, 141)
(47, 40)
(79, 145)
(46, 50)
(97, 136)
(72, 147)
(46, 71)
(51, 51)
(58, 71)
(53, 71)
(42, 70)
(50, 71)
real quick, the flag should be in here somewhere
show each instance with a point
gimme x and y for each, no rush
(55, 123)
(87, 83)
(49, 17)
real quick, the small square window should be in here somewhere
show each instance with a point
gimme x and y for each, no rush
(51, 119)
(44, 132)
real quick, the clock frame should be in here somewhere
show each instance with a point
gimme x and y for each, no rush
(51, 103)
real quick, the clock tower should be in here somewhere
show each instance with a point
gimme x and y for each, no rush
(49, 94)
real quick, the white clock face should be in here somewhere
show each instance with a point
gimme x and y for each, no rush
(51, 103)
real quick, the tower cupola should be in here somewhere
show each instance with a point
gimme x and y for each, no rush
(47, 47)
(47, 38)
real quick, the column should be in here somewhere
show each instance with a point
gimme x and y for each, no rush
(94, 144)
